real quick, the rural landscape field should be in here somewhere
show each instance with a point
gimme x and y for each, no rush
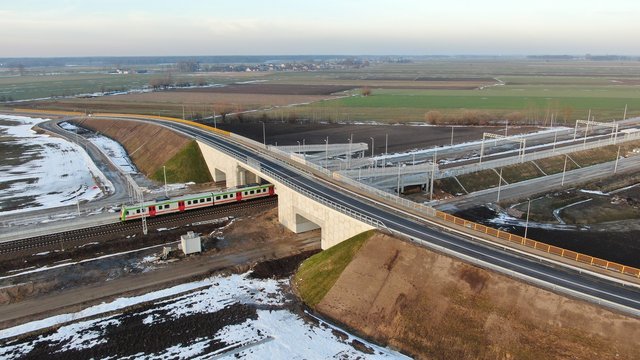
(320, 180)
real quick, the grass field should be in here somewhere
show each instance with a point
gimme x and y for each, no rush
(43, 86)
(316, 275)
(187, 165)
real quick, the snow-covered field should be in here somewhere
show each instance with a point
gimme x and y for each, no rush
(116, 153)
(225, 317)
(42, 171)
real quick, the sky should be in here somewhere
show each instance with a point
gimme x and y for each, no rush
(38, 28)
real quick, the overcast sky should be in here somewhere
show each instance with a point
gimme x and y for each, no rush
(350, 27)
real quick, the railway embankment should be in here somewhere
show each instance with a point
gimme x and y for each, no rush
(151, 147)
(432, 306)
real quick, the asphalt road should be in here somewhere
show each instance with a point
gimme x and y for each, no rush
(114, 199)
(531, 187)
(568, 281)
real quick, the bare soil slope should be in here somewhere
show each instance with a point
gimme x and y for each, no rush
(435, 307)
(149, 146)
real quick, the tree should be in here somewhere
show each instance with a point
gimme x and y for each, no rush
(223, 110)
(187, 66)
(433, 117)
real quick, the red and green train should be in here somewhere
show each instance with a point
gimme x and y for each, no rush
(195, 201)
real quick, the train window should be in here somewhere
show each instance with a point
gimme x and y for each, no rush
(137, 211)
(166, 206)
(217, 197)
(208, 199)
(224, 196)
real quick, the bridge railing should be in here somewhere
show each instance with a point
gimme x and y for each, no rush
(324, 201)
(406, 203)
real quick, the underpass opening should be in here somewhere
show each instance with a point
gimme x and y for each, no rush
(303, 224)
(219, 175)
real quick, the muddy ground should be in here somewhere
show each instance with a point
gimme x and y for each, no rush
(166, 331)
(401, 137)
(228, 238)
(435, 307)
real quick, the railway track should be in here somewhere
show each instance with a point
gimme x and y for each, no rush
(129, 228)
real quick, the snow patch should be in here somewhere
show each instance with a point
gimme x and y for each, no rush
(51, 172)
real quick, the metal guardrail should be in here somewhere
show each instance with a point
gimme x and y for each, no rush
(550, 249)
(427, 210)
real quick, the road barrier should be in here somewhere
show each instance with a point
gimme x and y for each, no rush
(550, 249)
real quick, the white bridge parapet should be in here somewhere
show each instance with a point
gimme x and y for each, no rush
(299, 210)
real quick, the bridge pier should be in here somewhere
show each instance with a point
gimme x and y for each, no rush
(297, 212)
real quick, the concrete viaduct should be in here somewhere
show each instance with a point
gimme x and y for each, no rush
(298, 212)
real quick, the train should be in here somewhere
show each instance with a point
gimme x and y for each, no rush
(195, 201)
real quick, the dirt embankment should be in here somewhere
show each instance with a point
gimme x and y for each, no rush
(432, 306)
(149, 146)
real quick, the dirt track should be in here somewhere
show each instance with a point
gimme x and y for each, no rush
(246, 241)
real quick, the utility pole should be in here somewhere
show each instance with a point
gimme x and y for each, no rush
(372, 152)
(182, 112)
(624, 117)
(564, 170)
(555, 137)
(506, 127)
(433, 173)
(586, 131)
(215, 125)
(386, 147)
(164, 170)
(264, 134)
(526, 225)
(78, 204)
(452, 136)
(326, 152)
(349, 156)
(499, 185)
(615, 168)
(398, 179)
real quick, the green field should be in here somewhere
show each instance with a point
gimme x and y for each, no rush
(187, 165)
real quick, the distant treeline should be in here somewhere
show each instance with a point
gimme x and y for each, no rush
(155, 60)
(585, 57)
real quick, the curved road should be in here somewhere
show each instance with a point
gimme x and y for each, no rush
(587, 287)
